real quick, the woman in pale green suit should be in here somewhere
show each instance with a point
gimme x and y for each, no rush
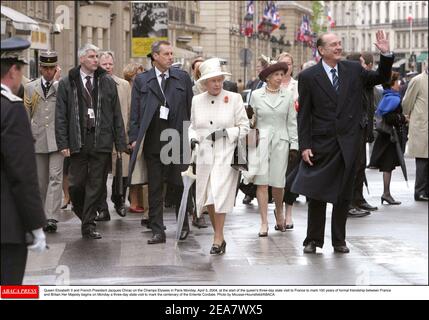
(275, 117)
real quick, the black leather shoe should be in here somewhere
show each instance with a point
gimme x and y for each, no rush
(121, 210)
(156, 238)
(357, 213)
(103, 215)
(366, 206)
(420, 197)
(184, 234)
(145, 223)
(341, 249)
(92, 235)
(389, 199)
(310, 247)
(247, 199)
(51, 226)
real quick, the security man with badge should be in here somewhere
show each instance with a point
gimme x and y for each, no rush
(22, 216)
(39, 98)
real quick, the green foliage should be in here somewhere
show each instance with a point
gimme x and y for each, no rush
(318, 15)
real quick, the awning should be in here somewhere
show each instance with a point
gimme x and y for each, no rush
(20, 21)
(398, 63)
(422, 57)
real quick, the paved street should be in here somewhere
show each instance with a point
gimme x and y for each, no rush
(389, 247)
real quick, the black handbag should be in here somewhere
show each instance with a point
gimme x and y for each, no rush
(239, 160)
(381, 125)
(119, 186)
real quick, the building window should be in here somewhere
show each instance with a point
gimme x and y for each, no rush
(171, 14)
(423, 40)
(386, 19)
(176, 14)
(183, 15)
(416, 41)
(193, 20)
(363, 42)
(369, 14)
(377, 12)
(398, 40)
(398, 13)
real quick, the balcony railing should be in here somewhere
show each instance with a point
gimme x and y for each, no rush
(403, 23)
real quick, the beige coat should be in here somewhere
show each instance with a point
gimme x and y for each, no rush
(214, 158)
(124, 94)
(415, 104)
(41, 111)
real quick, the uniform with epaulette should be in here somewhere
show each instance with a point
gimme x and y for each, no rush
(22, 215)
(40, 98)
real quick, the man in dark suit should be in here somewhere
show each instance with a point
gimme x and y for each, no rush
(161, 99)
(88, 120)
(329, 128)
(22, 215)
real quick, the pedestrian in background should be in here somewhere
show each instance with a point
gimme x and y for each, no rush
(290, 84)
(39, 99)
(21, 206)
(275, 117)
(138, 192)
(107, 62)
(415, 104)
(359, 207)
(384, 154)
(218, 119)
(161, 99)
(88, 122)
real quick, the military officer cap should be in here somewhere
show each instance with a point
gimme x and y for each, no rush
(48, 58)
(12, 49)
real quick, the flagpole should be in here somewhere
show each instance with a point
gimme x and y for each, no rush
(411, 37)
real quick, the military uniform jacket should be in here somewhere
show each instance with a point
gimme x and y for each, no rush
(41, 111)
(21, 205)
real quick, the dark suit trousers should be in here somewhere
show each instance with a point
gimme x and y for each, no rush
(156, 172)
(13, 261)
(360, 170)
(316, 223)
(421, 184)
(86, 180)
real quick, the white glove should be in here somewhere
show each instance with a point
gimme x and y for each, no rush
(39, 241)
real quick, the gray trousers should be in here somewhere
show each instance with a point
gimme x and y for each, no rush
(50, 174)
(421, 184)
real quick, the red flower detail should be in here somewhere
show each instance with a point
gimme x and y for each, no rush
(226, 99)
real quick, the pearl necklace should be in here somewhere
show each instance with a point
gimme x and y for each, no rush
(271, 90)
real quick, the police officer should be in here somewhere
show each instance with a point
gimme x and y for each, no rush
(39, 98)
(22, 216)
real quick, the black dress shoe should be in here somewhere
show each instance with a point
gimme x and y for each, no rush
(51, 226)
(184, 234)
(91, 235)
(103, 215)
(156, 238)
(145, 223)
(366, 206)
(357, 213)
(341, 249)
(420, 197)
(121, 210)
(310, 247)
(247, 199)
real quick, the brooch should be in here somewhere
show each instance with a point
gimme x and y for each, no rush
(226, 99)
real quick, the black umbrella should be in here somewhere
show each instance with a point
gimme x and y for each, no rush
(397, 142)
(119, 183)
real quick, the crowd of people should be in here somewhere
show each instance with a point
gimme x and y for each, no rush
(301, 135)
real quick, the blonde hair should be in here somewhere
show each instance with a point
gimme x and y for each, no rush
(131, 70)
(285, 55)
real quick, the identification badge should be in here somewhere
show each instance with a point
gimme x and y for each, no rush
(163, 113)
(91, 113)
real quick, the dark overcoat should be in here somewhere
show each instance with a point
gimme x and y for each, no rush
(21, 204)
(330, 125)
(146, 98)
